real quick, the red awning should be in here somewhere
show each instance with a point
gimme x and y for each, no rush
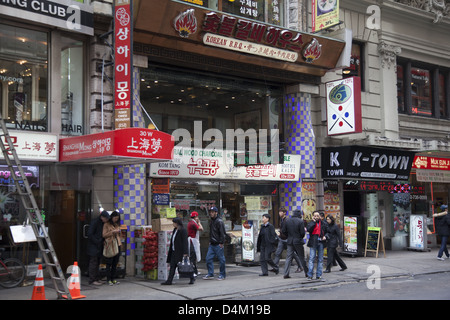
(117, 147)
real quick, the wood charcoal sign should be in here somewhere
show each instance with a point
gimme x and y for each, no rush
(355, 162)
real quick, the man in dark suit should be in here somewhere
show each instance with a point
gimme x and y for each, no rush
(294, 228)
(266, 244)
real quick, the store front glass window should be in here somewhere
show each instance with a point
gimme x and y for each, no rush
(24, 78)
(72, 93)
(177, 99)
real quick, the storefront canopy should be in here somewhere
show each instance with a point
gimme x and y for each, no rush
(118, 147)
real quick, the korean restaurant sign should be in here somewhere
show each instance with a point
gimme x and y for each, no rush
(432, 169)
(65, 14)
(34, 147)
(124, 144)
(223, 35)
(123, 46)
(219, 164)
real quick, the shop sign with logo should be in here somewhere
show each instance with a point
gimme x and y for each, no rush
(124, 144)
(34, 147)
(325, 14)
(432, 169)
(214, 164)
(123, 46)
(356, 162)
(65, 14)
(344, 106)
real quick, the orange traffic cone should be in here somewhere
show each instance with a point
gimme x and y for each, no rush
(74, 283)
(39, 290)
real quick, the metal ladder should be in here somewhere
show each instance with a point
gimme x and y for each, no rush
(33, 212)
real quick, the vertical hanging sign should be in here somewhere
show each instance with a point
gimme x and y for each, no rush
(123, 46)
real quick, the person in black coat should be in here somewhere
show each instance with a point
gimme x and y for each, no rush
(178, 249)
(442, 222)
(334, 240)
(95, 246)
(317, 241)
(294, 229)
(266, 244)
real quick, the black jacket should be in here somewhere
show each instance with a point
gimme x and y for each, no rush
(181, 245)
(314, 238)
(333, 236)
(442, 225)
(95, 238)
(294, 229)
(267, 238)
(216, 231)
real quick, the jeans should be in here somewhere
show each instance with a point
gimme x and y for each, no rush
(443, 247)
(312, 257)
(215, 251)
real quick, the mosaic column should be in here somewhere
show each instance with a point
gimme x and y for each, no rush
(130, 183)
(299, 140)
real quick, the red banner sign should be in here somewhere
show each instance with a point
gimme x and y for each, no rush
(431, 163)
(123, 63)
(132, 143)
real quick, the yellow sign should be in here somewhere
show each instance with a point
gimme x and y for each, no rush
(325, 13)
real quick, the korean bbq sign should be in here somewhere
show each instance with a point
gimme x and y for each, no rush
(123, 63)
(131, 142)
(232, 33)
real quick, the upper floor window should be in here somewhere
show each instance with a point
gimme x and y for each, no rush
(421, 89)
(356, 68)
(267, 11)
(24, 78)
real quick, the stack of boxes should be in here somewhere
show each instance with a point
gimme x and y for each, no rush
(163, 251)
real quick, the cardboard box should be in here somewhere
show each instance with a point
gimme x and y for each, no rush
(162, 224)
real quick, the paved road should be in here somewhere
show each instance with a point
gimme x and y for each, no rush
(420, 287)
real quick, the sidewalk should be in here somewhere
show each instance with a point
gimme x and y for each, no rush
(244, 281)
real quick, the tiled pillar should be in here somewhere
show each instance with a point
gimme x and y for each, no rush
(300, 140)
(130, 184)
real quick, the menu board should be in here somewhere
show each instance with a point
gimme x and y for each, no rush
(350, 234)
(248, 244)
(373, 239)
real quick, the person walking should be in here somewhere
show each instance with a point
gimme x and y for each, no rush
(193, 228)
(111, 233)
(178, 249)
(294, 228)
(282, 243)
(95, 247)
(334, 240)
(216, 245)
(442, 222)
(316, 243)
(266, 244)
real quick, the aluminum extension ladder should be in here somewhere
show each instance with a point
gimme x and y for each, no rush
(33, 212)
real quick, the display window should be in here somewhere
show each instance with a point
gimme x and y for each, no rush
(194, 101)
(24, 78)
(72, 88)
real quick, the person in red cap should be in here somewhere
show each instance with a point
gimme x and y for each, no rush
(193, 228)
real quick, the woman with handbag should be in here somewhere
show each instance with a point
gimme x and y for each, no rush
(178, 251)
(111, 249)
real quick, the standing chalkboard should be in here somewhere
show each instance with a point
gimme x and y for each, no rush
(373, 238)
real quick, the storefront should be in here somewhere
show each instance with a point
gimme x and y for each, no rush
(43, 95)
(215, 66)
(374, 191)
(431, 171)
